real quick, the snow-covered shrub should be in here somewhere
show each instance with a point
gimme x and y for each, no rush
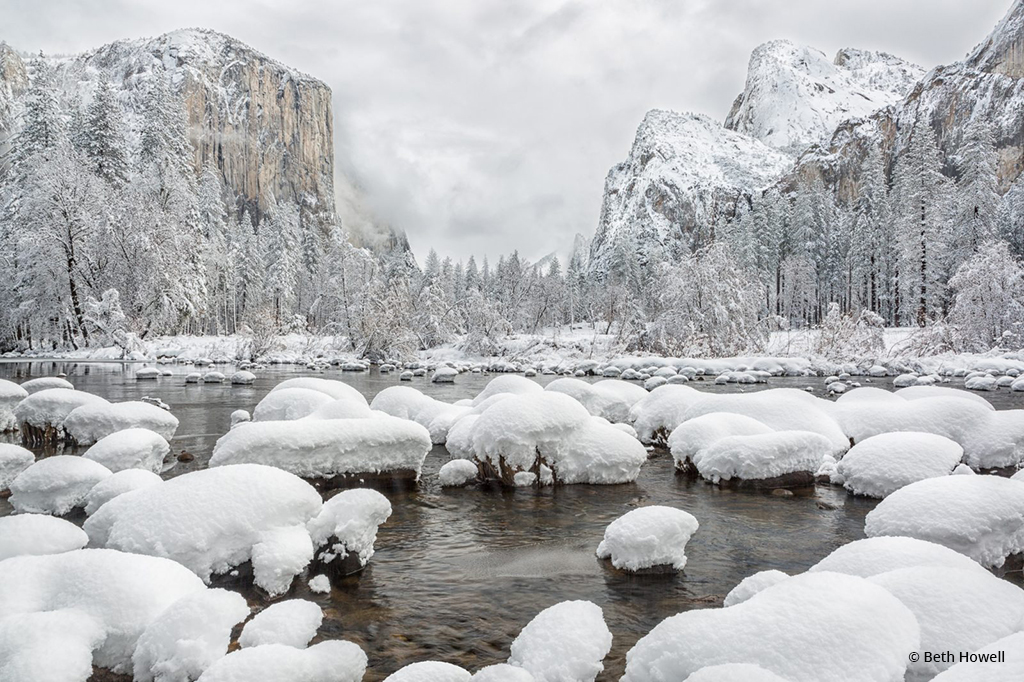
(988, 299)
(842, 337)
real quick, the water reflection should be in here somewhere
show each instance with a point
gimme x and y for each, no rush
(458, 573)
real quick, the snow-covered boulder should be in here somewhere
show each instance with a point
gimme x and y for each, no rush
(345, 529)
(328, 448)
(657, 414)
(35, 534)
(982, 383)
(242, 378)
(118, 484)
(41, 415)
(89, 423)
(954, 417)
(734, 672)
(781, 628)
(871, 556)
(502, 672)
(515, 385)
(10, 395)
(329, 661)
(405, 402)
(904, 380)
(782, 409)
(214, 378)
(753, 584)
(1000, 661)
(130, 449)
(93, 604)
(293, 622)
(13, 460)
(216, 519)
(611, 399)
(444, 375)
(980, 516)
(429, 671)
(56, 485)
(45, 383)
(882, 464)
(147, 373)
(338, 390)
(696, 434)
(549, 434)
(286, 404)
(648, 537)
(565, 642)
(781, 459)
(457, 473)
(189, 637)
(958, 610)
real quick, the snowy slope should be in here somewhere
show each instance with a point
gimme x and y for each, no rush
(683, 170)
(795, 96)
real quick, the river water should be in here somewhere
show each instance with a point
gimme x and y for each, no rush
(458, 572)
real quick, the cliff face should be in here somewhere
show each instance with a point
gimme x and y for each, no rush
(268, 128)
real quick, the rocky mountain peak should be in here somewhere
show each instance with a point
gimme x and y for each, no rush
(795, 96)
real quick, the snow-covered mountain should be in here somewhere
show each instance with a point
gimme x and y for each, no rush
(801, 119)
(683, 170)
(267, 127)
(795, 96)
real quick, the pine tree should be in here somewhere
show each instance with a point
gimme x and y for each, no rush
(977, 198)
(922, 234)
(282, 265)
(102, 139)
(44, 128)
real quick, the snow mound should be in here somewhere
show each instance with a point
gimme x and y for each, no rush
(434, 415)
(114, 596)
(444, 375)
(348, 523)
(502, 672)
(242, 378)
(655, 416)
(315, 448)
(338, 390)
(28, 642)
(45, 383)
(871, 556)
(429, 671)
(882, 464)
(694, 435)
(919, 392)
(293, 622)
(509, 383)
(957, 610)
(782, 628)
(10, 395)
(980, 516)
(89, 423)
(782, 409)
(214, 520)
(984, 669)
(734, 672)
(13, 460)
(118, 484)
(610, 398)
(37, 534)
(130, 449)
(188, 637)
(330, 661)
(753, 584)
(457, 473)
(762, 456)
(56, 485)
(286, 404)
(566, 642)
(648, 537)
(47, 409)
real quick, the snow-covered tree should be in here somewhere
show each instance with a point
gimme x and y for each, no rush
(102, 138)
(977, 198)
(988, 299)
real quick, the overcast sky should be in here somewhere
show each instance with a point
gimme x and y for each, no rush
(482, 126)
